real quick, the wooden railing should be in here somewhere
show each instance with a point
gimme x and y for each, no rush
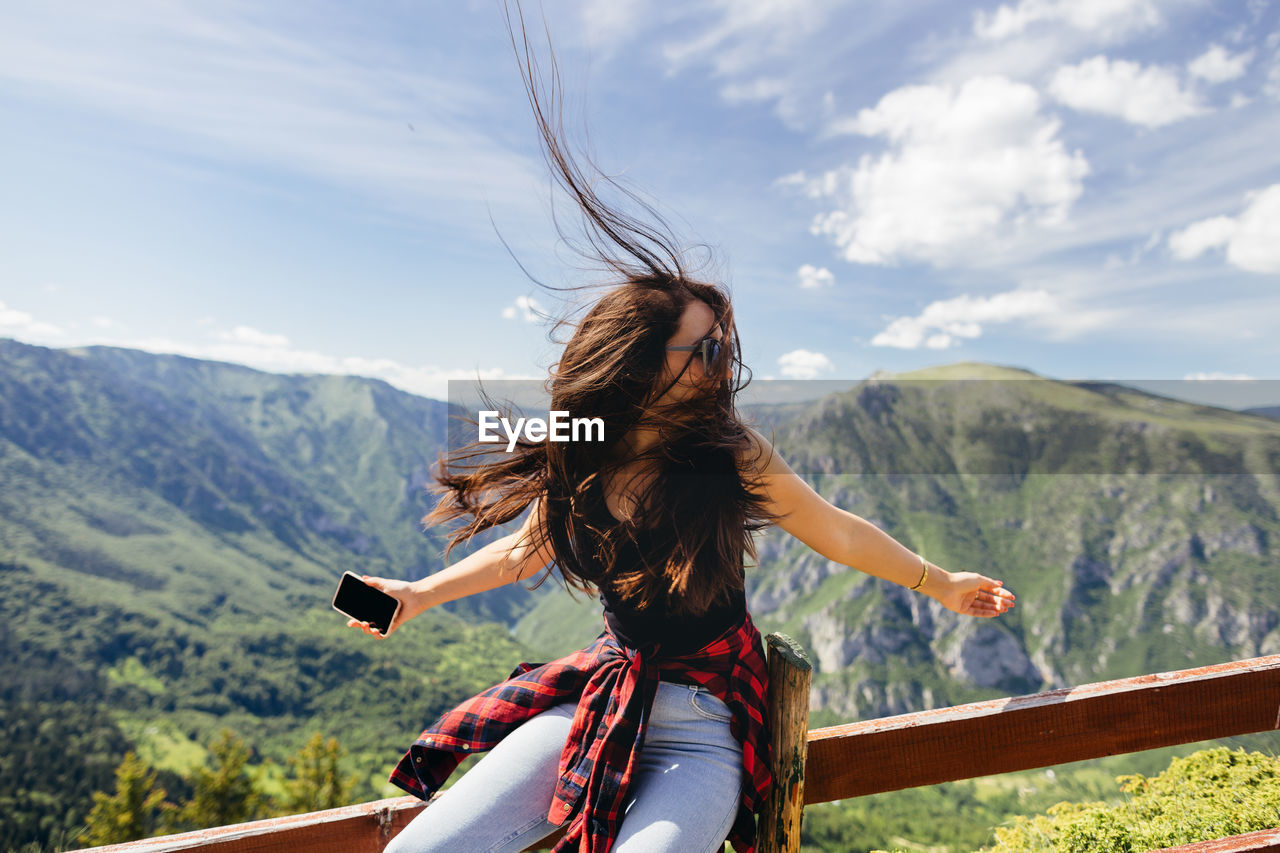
(924, 748)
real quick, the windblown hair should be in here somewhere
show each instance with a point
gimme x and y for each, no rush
(691, 488)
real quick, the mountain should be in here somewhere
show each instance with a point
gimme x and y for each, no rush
(1138, 532)
(144, 470)
(171, 531)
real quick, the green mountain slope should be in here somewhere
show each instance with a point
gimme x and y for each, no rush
(128, 468)
(171, 531)
(1137, 531)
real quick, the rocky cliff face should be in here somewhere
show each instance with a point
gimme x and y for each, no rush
(1138, 533)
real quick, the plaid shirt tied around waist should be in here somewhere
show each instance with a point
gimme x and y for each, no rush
(614, 688)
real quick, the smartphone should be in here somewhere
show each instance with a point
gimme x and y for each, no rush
(364, 603)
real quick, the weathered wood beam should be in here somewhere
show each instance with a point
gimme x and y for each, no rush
(1252, 842)
(1026, 732)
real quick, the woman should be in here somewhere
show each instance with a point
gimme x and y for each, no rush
(654, 737)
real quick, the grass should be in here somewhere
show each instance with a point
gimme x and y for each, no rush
(131, 671)
(161, 742)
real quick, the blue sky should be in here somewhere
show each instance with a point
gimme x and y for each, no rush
(1081, 188)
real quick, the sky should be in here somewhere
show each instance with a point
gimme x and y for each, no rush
(1085, 189)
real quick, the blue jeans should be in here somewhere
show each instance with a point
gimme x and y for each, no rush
(684, 797)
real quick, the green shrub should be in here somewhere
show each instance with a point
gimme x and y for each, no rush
(1214, 793)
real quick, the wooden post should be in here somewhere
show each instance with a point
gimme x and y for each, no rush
(789, 675)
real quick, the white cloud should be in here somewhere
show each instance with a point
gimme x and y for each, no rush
(609, 23)
(797, 180)
(1272, 87)
(1216, 65)
(1150, 96)
(1200, 237)
(1213, 376)
(758, 47)
(759, 89)
(252, 337)
(1107, 18)
(803, 364)
(968, 170)
(812, 278)
(790, 105)
(20, 324)
(1117, 260)
(945, 323)
(746, 31)
(274, 353)
(526, 308)
(1252, 239)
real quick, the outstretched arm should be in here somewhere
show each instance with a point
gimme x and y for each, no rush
(849, 539)
(500, 562)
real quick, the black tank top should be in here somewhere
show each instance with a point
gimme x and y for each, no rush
(678, 634)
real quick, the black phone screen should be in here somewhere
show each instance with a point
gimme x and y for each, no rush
(364, 603)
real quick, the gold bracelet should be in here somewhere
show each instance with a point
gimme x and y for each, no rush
(923, 575)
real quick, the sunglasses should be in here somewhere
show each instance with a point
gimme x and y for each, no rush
(709, 347)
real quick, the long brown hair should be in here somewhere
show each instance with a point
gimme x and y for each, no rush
(696, 506)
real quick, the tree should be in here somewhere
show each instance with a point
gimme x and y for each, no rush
(224, 792)
(317, 781)
(132, 812)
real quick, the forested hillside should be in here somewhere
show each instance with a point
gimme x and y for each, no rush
(170, 535)
(171, 531)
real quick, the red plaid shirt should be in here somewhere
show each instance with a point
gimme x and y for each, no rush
(614, 688)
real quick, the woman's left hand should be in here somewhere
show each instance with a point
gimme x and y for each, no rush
(972, 594)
